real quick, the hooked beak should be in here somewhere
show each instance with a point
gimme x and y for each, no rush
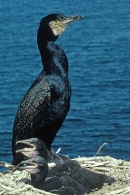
(58, 26)
(68, 20)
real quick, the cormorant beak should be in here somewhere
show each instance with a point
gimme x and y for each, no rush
(30, 151)
(28, 166)
(58, 26)
(67, 20)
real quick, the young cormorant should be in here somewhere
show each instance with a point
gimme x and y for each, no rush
(47, 102)
(35, 147)
(38, 168)
(62, 185)
(85, 177)
(64, 179)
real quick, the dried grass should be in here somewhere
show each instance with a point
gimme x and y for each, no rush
(119, 169)
(17, 182)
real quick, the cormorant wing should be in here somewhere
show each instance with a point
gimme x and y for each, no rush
(32, 109)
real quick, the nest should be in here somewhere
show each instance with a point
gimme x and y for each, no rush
(16, 182)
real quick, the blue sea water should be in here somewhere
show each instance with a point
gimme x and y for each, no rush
(98, 51)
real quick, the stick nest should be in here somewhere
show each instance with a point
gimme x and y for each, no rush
(16, 182)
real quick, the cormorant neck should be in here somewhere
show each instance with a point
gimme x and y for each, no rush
(53, 57)
(37, 179)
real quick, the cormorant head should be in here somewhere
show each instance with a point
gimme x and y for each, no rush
(34, 147)
(54, 25)
(37, 167)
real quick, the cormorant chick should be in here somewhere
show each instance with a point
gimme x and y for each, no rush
(89, 179)
(65, 179)
(37, 167)
(36, 147)
(47, 102)
(62, 185)
(33, 147)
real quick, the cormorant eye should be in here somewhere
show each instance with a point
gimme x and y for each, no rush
(59, 18)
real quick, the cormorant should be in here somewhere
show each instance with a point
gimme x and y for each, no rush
(47, 102)
(38, 168)
(67, 178)
(62, 185)
(85, 177)
(35, 147)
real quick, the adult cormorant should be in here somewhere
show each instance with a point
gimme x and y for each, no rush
(47, 102)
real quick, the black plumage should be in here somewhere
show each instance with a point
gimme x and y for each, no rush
(64, 179)
(47, 102)
(62, 185)
(88, 179)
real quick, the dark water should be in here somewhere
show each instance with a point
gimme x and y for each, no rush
(98, 50)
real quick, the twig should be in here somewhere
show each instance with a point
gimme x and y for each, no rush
(98, 152)
(58, 150)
